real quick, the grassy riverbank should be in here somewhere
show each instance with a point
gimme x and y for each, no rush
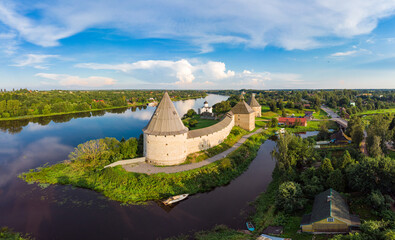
(117, 184)
(8, 234)
(65, 113)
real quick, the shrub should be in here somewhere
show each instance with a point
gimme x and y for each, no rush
(289, 197)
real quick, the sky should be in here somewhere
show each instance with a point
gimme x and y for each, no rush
(204, 44)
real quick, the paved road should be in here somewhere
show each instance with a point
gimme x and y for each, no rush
(335, 117)
(344, 123)
(150, 169)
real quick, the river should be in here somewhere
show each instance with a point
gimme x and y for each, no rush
(64, 212)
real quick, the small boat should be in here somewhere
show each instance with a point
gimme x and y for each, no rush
(175, 199)
(250, 226)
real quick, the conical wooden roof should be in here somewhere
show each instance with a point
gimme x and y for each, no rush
(165, 120)
(253, 102)
(242, 108)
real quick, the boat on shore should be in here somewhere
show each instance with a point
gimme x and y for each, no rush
(250, 226)
(175, 199)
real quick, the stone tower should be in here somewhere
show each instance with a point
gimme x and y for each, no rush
(255, 105)
(165, 135)
(244, 116)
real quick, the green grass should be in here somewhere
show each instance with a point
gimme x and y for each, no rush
(267, 114)
(117, 184)
(391, 154)
(8, 234)
(391, 110)
(313, 126)
(203, 123)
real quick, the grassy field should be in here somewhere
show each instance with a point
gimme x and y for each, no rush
(117, 184)
(313, 126)
(391, 110)
(267, 114)
(202, 123)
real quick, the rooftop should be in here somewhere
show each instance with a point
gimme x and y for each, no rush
(242, 108)
(165, 120)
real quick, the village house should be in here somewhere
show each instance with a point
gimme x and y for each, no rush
(292, 121)
(309, 115)
(340, 138)
(330, 214)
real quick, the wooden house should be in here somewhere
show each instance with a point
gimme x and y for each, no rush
(330, 214)
(340, 138)
(308, 115)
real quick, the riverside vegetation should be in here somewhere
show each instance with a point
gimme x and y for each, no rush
(302, 172)
(25, 103)
(8, 234)
(85, 169)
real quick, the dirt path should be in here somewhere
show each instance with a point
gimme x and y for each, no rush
(150, 169)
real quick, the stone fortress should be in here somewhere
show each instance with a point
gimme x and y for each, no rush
(168, 142)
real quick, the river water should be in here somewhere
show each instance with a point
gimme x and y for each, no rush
(64, 212)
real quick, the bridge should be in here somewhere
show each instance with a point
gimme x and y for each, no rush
(334, 117)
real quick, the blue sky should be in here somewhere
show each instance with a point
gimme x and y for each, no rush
(206, 44)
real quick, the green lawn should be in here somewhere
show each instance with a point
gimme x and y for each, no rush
(313, 126)
(267, 114)
(202, 123)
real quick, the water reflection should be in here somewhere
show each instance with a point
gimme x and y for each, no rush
(61, 212)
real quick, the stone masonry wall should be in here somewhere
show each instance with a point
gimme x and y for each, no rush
(210, 140)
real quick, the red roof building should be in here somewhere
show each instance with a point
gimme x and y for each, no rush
(292, 121)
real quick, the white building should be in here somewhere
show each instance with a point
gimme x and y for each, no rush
(205, 108)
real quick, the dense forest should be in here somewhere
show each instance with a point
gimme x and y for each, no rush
(25, 103)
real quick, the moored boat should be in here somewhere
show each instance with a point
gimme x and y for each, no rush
(250, 226)
(175, 199)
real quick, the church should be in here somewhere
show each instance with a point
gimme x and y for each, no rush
(168, 142)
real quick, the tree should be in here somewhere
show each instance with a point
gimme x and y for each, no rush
(290, 197)
(274, 122)
(347, 160)
(192, 122)
(336, 180)
(273, 106)
(190, 113)
(89, 153)
(372, 173)
(357, 134)
(3, 106)
(326, 167)
(323, 134)
(375, 147)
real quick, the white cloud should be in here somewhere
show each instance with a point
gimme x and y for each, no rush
(68, 80)
(182, 70)
(342, 54)
(297, 25)
(34, 60)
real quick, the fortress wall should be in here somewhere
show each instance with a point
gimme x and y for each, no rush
(258, 111)
(245, 121)
(166, 149)
(209, 137)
